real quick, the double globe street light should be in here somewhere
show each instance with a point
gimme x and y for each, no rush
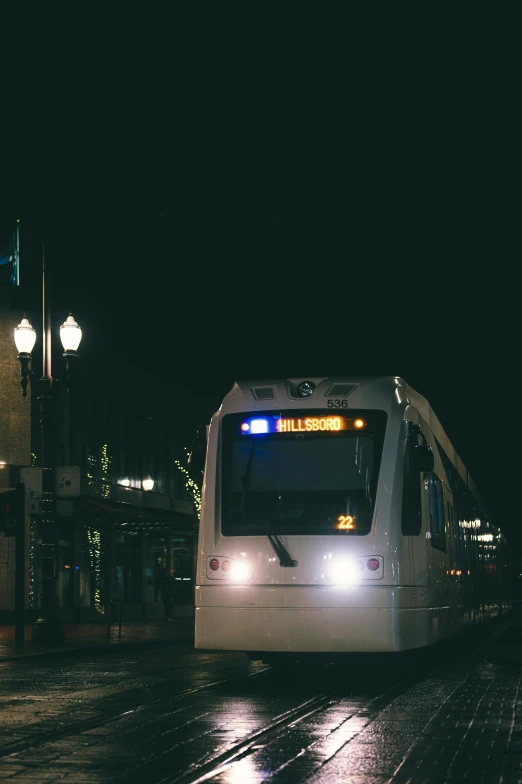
(47, 629)
(25, 338)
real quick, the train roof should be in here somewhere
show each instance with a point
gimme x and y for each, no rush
(424, 407)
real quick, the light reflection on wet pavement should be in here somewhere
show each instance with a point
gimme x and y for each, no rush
(174, 714)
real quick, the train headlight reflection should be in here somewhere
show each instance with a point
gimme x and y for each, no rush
(240, 571)
(344, 572)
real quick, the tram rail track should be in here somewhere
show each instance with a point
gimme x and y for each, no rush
(347, 730)
(225, 755)
(220, 763)
(76, 728)
(275, 730)
(209, 769)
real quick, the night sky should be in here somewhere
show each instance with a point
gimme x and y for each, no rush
(293, 222)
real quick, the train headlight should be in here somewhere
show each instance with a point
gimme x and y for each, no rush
(344, 572)
(240, 571)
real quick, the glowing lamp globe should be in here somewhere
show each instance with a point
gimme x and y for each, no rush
(148, 484)
(70, 334)
(24, 336)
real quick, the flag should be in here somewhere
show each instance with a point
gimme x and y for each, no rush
(9, 254)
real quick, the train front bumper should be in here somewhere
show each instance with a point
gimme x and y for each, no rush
(321, 619)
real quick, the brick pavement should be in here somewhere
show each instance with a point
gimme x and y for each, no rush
(475, 736)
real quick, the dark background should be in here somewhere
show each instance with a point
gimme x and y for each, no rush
(218, 217)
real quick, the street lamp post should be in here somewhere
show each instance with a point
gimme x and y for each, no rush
(70, 335)
(47, 629)
(25, 338)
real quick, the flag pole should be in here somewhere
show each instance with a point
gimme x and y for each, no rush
(46, 324)
(44, 346)
(17, 251)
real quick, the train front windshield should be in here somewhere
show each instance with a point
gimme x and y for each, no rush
(305, 472)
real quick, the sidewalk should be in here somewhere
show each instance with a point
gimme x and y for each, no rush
(91, 637)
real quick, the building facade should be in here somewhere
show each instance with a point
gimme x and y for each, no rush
(124, 518)
(15, 438)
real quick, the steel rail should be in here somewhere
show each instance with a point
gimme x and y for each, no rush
(49, 736)
(218, 764)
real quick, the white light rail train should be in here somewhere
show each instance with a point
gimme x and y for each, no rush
(338, 518)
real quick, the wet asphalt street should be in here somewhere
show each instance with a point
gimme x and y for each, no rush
(172, 714)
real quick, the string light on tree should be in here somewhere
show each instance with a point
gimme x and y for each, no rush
(32, 552)
(94, 537)
(191, 486)
(105, 468)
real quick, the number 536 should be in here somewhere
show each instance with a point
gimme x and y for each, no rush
(337, 403)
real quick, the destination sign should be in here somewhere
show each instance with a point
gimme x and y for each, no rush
(309, 424)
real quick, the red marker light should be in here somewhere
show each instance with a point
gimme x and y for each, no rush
(214, 564)
(373, 564)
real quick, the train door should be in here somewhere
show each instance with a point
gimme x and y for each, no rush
(451, 534)
(453, 573)
(412, 564)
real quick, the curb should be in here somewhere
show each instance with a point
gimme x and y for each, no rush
(97, 649)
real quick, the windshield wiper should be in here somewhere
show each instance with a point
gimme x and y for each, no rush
(285, 559)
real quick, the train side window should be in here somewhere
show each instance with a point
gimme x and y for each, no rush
(411, 522)
(437, 521)
(461, 563)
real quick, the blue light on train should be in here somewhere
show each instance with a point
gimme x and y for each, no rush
(259, 426)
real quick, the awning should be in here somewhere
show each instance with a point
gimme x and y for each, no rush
(126, 517)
